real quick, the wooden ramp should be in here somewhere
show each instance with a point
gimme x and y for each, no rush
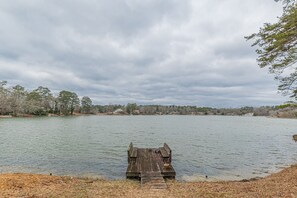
(153, 180)
(150, 165)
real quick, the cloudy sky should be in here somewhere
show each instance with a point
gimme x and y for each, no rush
(182, 52)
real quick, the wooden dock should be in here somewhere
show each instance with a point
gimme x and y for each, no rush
(150, 165)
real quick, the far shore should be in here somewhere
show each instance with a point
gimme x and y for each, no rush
(281, 184)
(110, 114)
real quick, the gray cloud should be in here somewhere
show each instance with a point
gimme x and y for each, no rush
(148, 51)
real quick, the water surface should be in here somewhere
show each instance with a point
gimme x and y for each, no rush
(221, 147)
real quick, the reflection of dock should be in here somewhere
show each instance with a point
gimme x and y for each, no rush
(151, 165)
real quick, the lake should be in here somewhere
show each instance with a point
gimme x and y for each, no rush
(221, 147)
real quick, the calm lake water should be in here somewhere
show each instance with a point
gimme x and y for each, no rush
(221, 147)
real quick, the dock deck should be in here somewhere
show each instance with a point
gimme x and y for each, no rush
(150, 165)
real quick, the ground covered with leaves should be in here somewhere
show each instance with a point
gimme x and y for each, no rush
(282, 184)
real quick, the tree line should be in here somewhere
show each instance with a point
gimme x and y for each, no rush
(289, 109)
(17, 101)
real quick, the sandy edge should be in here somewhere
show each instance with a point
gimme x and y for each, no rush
(281, 184)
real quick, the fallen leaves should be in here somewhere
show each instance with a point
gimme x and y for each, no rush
(282, 184)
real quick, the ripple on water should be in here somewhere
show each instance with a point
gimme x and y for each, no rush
(215, 146)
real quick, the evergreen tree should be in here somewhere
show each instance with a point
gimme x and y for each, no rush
(277, 48)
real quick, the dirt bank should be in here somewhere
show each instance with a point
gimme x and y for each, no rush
(282, 184)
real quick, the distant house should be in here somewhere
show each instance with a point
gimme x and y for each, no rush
(119, 111)
(136, 112)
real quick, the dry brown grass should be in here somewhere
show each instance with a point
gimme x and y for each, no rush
(282, 184)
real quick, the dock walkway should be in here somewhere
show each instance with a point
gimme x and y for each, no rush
(150, 165)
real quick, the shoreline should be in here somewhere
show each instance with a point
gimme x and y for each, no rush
(106, 114)
(280, 184)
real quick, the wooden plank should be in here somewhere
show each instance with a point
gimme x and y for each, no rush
(133, 152)
(164, 152)
(153, 180)
(148, 165)
(166, 147)
(130, 146)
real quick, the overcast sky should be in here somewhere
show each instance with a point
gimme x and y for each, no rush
(182, 52)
